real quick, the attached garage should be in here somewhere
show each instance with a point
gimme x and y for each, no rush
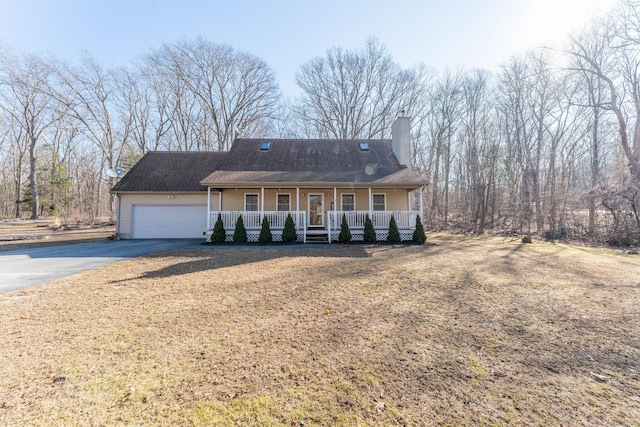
(161, 197)
(168, 222)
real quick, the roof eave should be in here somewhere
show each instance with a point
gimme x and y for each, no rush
(203, 191)
(257, 184)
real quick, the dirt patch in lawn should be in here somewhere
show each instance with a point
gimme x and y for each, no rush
(37, 234)
(479, 331)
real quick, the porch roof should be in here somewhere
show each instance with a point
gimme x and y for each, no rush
(225, 179)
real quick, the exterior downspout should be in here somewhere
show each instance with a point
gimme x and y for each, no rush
(304, 227)
(208, 208)
(117, 236)
(335, 210)
(422, 203)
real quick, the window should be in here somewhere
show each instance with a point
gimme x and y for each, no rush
(348, 202)
(364, 146)
(250, 202)
(284, 204)
(379, 202)
(265, 146)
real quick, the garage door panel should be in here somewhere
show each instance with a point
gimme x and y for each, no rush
(169, 222)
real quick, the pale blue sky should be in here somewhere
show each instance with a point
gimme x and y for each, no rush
(439, 33)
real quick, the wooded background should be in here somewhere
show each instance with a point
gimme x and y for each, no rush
(549, 144)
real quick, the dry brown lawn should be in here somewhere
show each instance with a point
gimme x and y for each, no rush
(36, 234)
(463, 331)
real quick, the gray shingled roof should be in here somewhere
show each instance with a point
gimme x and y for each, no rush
(170, 171)
(312, 161)
(308, 161)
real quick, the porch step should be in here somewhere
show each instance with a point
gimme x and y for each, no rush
(318, 238)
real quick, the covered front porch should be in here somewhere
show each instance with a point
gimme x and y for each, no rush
(316, 212)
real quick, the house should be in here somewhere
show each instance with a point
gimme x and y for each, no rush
(317, 181)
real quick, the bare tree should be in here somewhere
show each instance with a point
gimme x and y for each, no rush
(211, 93)
(607, 55)
(352, 94)
(137, 105)
(613, 61)
(25, 98)
(89, 95)
(175, 104)
(479, 159)
(446, 101)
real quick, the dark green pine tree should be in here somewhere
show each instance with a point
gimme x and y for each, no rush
(289, 234)
(240, 233)
(418, 234)
(369, 231)
(265, 236)
(394, 233)
(345, 233)
(219, 235)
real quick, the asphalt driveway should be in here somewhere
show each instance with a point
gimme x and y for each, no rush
(24, 268)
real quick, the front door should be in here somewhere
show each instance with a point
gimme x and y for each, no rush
(316, 211)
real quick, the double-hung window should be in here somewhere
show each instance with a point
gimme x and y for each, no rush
(348, 202)
(251, 202)
(284, 203)
(379, 202)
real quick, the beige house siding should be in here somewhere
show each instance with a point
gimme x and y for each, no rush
(127, 201)
(233, 199)
(395, 199)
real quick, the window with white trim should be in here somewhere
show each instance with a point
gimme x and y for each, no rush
(283, 203)
(379, 202)
(348, 202)
(251, 202)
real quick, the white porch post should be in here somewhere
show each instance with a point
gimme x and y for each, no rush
(220, 201)
(370, 204)
(297, 206)
(208, 208)
(421, 203)
(335, 207)
(261, 203)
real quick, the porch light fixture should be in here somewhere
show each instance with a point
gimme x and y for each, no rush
(171, 197)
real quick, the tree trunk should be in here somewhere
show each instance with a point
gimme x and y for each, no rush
(595, 168)
(32, 178)
(18, 193)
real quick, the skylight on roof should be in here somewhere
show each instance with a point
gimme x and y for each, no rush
(265, 146)
(364, 146)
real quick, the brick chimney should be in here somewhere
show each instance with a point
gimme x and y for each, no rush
(400, 139)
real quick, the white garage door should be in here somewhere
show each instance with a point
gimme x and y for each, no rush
(169, 222)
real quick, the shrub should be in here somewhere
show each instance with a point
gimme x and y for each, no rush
(289, 234)
(265, 236)
(345, 233)
(394, 233)
(418, 233)
(240, 233)
(369, 231)
(219, 234)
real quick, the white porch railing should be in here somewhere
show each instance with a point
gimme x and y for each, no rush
(406, 221)
(253, 219)
(253, 222)
(380, 219)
